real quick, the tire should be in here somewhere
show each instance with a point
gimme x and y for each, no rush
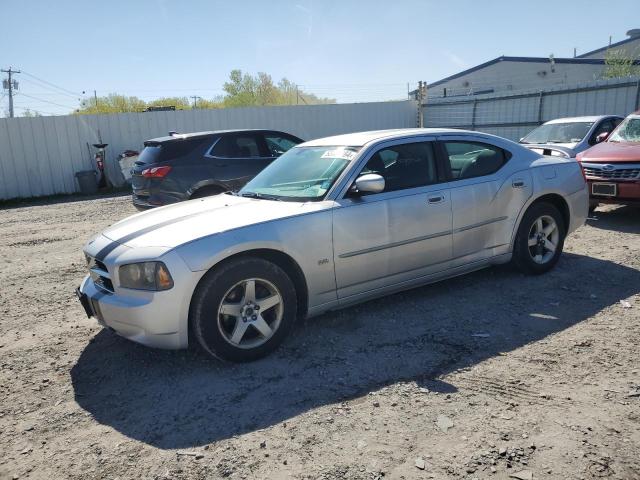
(539, 257)
(205, 192)
(224, 318)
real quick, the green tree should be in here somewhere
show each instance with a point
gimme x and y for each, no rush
(112, 103)
(181, 103)
(618, 64)
(31, 113)
(244, 90)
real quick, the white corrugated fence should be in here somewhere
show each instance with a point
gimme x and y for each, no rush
(40, 156)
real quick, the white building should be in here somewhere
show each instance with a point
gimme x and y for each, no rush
(526, 73)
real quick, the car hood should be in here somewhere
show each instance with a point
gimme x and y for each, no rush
(181, 223)
(612, 152)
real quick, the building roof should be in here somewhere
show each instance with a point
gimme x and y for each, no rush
(613, 45)
(577, 61)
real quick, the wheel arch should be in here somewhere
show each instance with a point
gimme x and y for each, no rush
(554, 199)
(279, 258)
(206, 185)
(559, 202)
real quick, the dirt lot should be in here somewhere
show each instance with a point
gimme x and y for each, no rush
(483, 376)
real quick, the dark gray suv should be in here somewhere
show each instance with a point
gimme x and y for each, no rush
(184, 166)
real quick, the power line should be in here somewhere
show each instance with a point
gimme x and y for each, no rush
(46, 101)
(49, 91)
(52, 84)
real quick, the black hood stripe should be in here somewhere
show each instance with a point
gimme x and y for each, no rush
(138, 233)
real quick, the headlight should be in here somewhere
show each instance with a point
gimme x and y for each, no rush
(145, 276)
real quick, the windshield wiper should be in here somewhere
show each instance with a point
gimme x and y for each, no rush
(261, 196)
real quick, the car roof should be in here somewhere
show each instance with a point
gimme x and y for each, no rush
(589, 118)
(184, 136)
(360, 139)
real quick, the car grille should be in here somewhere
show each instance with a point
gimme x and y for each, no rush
(100, 275)
(617, 173)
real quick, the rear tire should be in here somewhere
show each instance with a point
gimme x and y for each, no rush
(540, 239)
(206, 192)
(243, 310)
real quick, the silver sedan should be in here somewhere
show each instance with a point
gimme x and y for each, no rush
(332, 222)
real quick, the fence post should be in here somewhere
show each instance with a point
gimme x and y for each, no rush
(540, 107)
(473, 114)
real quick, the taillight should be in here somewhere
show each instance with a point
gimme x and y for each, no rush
(156, 172)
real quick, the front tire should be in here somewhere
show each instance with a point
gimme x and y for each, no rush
(540, 239)
(243, 310)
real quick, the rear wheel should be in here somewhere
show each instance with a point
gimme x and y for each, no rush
(540, 239)
(205, 192)
(243, 310)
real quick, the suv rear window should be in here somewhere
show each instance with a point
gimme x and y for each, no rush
(162, 152)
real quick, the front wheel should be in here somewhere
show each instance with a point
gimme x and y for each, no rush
(540, 239)
(243, 310)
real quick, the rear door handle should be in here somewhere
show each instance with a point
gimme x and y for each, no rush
(518, 183)
(436, 199)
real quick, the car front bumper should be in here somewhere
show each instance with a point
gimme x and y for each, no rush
(628, 192)
(154, 318)
(151, 322)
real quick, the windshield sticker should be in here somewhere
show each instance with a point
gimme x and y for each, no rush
(343, 153)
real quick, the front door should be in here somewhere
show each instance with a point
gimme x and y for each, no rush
(399, 234)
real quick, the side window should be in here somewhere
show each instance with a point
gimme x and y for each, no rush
(277, 144)
(605, 126)
(236, 146)
(404, 166)
(474, 159)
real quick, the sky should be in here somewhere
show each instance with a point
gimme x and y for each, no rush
(349, 50)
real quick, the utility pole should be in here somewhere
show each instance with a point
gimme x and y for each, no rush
(195, 100)
(95, 98)
(10, 84)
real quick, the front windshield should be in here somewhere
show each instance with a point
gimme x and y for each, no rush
(571, 132)
(627, 131)
(302, 173)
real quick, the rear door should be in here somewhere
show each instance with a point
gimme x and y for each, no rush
(238, 157)
(487, 193)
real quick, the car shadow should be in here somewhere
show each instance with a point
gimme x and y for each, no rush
(624, 219)
(181, 399)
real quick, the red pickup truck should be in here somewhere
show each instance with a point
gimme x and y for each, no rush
(612, 167)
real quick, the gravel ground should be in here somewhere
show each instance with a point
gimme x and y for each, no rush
(483, 376)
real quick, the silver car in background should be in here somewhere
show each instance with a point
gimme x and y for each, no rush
(566, 137)
(330, 223)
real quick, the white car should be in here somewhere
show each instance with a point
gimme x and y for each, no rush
(566, 137)
(330, 223)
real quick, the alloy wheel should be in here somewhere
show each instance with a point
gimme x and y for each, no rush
(250, 313)
(544, 236)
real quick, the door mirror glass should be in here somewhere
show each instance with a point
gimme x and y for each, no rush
(368, 183)
(602, 137)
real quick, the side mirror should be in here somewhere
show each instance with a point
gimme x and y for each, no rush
(368, 183)
(602, 137)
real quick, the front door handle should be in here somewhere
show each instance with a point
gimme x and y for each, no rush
(436, 199)
(518, 183)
